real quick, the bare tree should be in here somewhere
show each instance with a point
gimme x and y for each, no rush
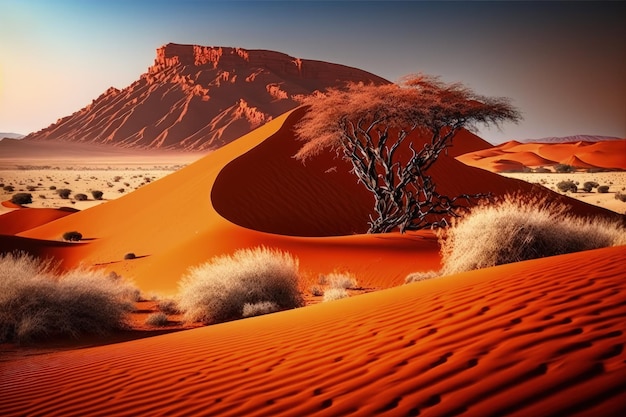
(371, 123)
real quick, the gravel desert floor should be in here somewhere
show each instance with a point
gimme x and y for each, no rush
(616, 180)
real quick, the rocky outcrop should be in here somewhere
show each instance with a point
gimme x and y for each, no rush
(199, 98)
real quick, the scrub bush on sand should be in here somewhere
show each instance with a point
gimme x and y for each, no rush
(218, 290)
(518, 229)
(36, 302)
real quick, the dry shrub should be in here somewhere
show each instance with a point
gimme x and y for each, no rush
(168, 306)
(316, 291)
(333, 294)
(421, 276)
(157, 319)
(517, 229)
(258, 309)
(36, 302)
(343, 280)
(217, 290)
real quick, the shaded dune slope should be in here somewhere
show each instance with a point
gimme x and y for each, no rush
(252, 192)
(542, 337)
(22, 219)
(517, 156)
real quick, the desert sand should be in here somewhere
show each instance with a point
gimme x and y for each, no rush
(603, 162)
(616, 180)
(516, 156)
(542, 337)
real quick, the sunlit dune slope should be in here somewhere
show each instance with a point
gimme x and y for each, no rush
(517, 156)
(252, 192)
(171, 224)
(543, 337)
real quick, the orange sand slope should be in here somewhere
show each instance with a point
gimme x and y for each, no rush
(22, 219)
(543, 337)
(252, 192)
(515, 156)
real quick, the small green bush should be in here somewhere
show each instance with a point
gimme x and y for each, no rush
(589, 186)
(603, 189)
(64, 193)
(80, 197)
(566, 186)
(564, 168)
(217, 290)
(97, 194)
(22, 198)
(72, 236)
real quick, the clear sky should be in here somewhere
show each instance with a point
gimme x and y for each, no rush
(563, 64)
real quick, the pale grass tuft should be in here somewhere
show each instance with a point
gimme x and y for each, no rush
(421, 276)
(258, 309)
(168, 306)
(157, 319)
(333, 294)
(316, 291)
(217, 290)
(343, 280)
(517, 229)
(37, 302)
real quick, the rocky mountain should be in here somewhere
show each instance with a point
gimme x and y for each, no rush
(567, 139)
(199, 98)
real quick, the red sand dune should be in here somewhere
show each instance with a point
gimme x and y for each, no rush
(607, 154)
(252, 192)
(543, 337)
(538, 338)
(23, 218)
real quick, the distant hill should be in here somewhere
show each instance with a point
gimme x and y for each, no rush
(10, 136)
(200, 98)
(575, 138)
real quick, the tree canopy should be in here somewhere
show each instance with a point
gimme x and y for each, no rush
(370, 123)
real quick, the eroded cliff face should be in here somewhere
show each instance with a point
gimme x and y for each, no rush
(199, 98)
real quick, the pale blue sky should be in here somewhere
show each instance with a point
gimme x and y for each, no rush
(562, 63)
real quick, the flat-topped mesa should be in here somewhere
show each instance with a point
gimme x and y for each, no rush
(229, 58)
(172, 54)
(200, 97)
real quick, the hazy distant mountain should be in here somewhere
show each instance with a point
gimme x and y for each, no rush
(10, 136)
(197, 98)
(575, 138)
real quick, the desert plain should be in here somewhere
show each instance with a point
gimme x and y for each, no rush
(538, 337)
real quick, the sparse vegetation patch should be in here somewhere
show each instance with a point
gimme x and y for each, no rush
(217, 290)
(36, 302)
(72, 236)
(22, 198)
(517, 229)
